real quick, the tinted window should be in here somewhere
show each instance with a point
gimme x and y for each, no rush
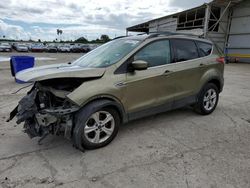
(205, 49)
(184, 50)
(156, 53)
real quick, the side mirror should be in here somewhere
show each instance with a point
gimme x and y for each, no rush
(139, 65)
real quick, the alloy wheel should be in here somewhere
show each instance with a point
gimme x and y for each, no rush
(210, 99)
(99, 127)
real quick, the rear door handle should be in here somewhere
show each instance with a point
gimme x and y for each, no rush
(167, 72)
(202, 65)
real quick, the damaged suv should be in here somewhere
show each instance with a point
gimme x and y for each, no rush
(122, 80)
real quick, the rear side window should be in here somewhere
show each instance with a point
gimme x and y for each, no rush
(184, 50)
(156, 53)
(205, 49)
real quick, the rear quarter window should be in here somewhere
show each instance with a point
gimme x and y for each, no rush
(205, 49)
(184, 49)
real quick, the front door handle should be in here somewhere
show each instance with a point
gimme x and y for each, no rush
(202, 65)
(120, 84)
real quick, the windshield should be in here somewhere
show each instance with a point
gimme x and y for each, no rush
(107, 54)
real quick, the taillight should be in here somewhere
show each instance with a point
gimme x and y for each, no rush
(221, 60)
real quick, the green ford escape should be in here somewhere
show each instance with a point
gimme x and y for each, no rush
(122, 80)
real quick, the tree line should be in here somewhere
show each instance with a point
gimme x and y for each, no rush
(103, 38)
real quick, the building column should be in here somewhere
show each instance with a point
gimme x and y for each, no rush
(206, 20)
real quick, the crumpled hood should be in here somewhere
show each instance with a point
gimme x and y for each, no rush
(58, 71)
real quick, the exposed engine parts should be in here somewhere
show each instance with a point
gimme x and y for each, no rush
(45, 110)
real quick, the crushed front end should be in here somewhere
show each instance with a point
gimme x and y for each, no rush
(47, 110)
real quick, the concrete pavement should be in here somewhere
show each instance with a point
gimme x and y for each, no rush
(173, 149)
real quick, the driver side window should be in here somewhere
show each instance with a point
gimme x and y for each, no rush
(156, 53)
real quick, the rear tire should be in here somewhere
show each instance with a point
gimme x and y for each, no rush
(207, 99)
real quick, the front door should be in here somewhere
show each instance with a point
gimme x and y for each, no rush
(148, 89)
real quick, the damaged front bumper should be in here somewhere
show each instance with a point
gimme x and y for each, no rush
(44, 111)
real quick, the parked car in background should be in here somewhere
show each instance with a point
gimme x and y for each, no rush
(93, 46)
(125, 79)
(5, 47)
(85, 48)
(37, 47)
(21, 47)
(63, 48)
(76, 48)
(51, 48)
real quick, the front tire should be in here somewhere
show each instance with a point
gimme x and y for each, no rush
(207, 99)
(96, 128)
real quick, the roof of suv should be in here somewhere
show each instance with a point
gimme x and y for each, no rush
(166, 35)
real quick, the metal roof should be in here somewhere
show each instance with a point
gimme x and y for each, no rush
(144, 27)
(225, 2)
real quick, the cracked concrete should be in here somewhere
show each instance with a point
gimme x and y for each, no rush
(173, 149)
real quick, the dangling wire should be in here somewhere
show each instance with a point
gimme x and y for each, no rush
(22, 88)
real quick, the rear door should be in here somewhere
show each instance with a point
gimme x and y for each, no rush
(187, 68)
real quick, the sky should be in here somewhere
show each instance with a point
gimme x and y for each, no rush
(39, 19)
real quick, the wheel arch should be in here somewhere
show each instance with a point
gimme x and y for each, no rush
(212, 76)
(216, 82)
(107, 101)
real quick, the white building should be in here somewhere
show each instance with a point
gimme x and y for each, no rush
(225, 22)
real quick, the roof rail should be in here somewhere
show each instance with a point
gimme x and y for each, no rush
(169, 33)
(118, 37)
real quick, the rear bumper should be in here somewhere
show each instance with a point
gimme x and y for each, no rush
(5, 50)
(37, 50)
